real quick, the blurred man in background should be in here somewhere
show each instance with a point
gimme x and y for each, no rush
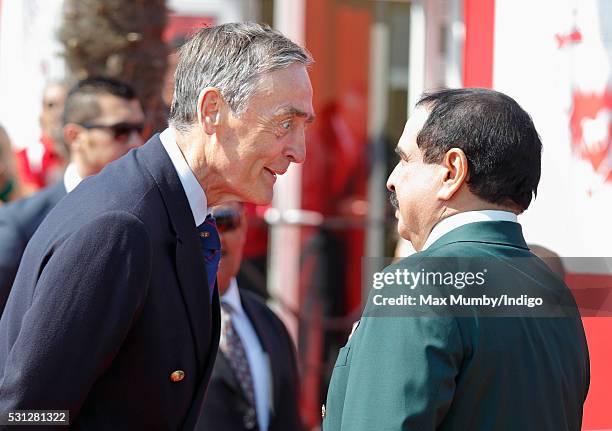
(42, 163)
(254, 384)
(9, 185)
(102, 122)
(550, 258)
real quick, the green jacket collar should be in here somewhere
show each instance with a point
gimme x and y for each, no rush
(489, 232)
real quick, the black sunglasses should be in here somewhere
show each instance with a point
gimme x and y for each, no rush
(227, 219)
(121, 131)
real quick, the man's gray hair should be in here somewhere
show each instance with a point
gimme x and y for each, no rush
(231, 58)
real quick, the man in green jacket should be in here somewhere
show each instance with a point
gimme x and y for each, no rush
(472, 332)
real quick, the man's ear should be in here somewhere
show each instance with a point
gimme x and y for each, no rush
(72, 136)
(209, 108)
(455, 167)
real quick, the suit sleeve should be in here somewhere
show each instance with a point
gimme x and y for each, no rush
(12, 245)
(402, 373)
(87, 297)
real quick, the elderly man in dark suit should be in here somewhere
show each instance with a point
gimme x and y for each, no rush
(469, 163)
(254, 384)
(114, 313)
(109, 105)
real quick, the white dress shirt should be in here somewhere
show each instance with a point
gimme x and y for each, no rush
(195, 194)
(71, 178)
(453, 222)
(256, 355)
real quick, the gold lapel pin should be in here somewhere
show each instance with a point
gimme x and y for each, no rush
(177, 376)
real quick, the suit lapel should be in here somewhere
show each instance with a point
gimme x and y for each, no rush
(190, 267)
(225, 373)
(223, 369)
(251, 308)
(195, 292)
(198, 401)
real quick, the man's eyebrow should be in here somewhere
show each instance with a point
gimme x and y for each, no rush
(290, 110)
(400, 153)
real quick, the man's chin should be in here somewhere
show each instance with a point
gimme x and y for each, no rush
(266, 200)
(403, 231)
(260, 197)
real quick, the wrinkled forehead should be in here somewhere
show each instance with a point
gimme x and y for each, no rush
(285, 91)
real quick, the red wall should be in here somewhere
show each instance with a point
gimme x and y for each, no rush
(479, 16)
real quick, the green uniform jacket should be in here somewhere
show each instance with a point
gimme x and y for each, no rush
(468, 371)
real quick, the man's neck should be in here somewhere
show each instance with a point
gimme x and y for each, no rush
(193, 145)
(458, 219)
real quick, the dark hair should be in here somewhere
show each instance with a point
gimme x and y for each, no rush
(499, 139)
(82, 101)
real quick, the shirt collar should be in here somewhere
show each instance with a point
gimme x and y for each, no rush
(450, 223)
(194, 191)
(71, 178)
(231, 297)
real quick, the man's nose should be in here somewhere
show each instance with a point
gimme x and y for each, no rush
(296, 151)
(390, 182)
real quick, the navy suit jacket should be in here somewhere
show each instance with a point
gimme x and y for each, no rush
(18, 222)
(109, 301)
(226, 407)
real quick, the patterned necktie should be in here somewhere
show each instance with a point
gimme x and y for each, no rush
(211, 249)
(233, 349)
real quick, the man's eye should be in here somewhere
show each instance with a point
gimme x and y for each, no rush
(286, 124)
